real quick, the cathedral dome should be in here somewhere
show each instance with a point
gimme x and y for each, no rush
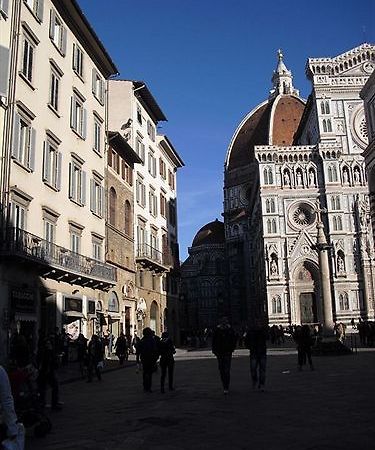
(211, 233)
(273, 122)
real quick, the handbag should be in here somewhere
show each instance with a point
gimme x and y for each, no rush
(18, 442)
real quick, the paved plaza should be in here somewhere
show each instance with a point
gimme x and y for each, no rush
(329, 408)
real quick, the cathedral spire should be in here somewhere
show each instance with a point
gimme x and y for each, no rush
(282, 78)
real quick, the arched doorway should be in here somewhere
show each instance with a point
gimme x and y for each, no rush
(307, 293)
(154, 316)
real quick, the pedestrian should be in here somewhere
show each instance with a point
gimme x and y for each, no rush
(166, 351)
(121, 348)
(12, 433)
(148, 354)
(81, 343)
(47, 365)
(256, 341)
(223, 345)
(95, 356)
(304, 341)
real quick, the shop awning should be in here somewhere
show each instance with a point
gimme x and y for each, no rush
(74, 314)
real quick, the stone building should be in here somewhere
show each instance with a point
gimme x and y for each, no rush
(135, 114)
(296, 202)
(53, 271)
(368, 96)
(203, 280)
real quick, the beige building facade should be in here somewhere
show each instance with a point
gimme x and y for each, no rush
(53, 154)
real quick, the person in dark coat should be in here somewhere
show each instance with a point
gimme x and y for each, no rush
(223, 345)
(47, 365)
(148, 353)
(95, 357)
(256, 341)
(302, 337)
(121, 348)
(166, 351)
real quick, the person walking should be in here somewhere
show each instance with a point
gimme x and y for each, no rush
(121, 348)
(47, 365)
(302, 337)
(95, 356)
(148, 353)
(223, 345)
(256, 341)
(166, 351)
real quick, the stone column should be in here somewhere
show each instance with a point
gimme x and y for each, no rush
(325, 279)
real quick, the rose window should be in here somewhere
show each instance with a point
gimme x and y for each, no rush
(363, 128)
(303, 215)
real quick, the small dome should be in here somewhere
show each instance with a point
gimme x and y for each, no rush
(212, 233)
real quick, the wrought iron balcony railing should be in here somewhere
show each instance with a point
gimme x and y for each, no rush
(17, 242)
(154, 256)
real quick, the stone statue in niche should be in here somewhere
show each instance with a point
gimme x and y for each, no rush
(312, 178)
(357, 176)
(273, 268)
(299, 178)
(340, 264)
(345, 176)
(286, 178)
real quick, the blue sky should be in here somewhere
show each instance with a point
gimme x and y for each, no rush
(209, 62)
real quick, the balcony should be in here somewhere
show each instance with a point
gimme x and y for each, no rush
(53, 261)
(153, 259)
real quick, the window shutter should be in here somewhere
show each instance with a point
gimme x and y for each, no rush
(39, 11)
(52, 24)
(74, 59)
(32, 150)
(84, 123)
(58, 168)
(63, 40)
(72, 113)
(83, 188)
(92, 192)
(93, 79)
(102, 201)
(4, 71)
(45, 162)
(16, 135)
(101, 91)
(71, 173)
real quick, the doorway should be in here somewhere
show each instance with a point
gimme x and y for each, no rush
(307, 307)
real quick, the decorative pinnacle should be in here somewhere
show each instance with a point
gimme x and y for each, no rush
(280, 54)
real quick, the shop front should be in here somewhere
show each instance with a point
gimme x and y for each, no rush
(23, 315)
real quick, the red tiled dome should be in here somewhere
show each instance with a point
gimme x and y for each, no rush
(212, 233)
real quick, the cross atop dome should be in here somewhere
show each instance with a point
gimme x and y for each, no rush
(282, 78)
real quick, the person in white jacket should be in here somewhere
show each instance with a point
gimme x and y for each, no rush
(8, 413)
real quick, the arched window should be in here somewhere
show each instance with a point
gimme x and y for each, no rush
(329, 126)
(324, 125)
(278, 305)
(274, 306)
(128, 218)
(269, 228)
(327, 110)
(344, 301)
(268, 176)
(330, 175)
(268, 209)
(339, 223)
(322, 109)
(274, 226)
(112, 206)
(334, 173)
(113, 304)
(272, 205)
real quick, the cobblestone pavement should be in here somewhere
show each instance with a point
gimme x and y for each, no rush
(326, 409)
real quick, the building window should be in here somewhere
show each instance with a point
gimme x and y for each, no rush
(75, 240)
(78, 116)
(36, 7)
(54, 90)
(23, 148)
(151, 130)
(97, 86)
(332, 173)
(140, 192)
(151, 163)
(140, 148)
(127, 173)
(268, 175)
(139, 115)
(324, 107)
(271, 226)
(77, 182)
(163, 205)
(97, 135)
(327, 125)
(96, 196)
(276, 305)
(171, 180)
(57, 32)
(335, 202)
(344, 301)
(27, 59)
(49, 231)
(337, 223)
(162, 169)
(18, 215)
(153, 203)
(77, 62)
(112, 206)
(52, 164)
(97, 248)
(128, 218)
(270, 205)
